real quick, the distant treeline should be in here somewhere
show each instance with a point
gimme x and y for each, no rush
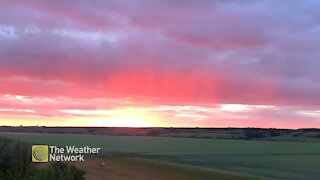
(217, 133)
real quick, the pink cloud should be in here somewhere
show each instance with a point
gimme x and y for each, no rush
(162, 53)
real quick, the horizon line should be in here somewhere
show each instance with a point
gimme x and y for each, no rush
(157, 127)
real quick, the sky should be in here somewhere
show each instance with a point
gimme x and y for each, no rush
(163, 63)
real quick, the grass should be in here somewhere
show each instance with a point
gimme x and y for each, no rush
(169, 171)
(166, 146)
(270, 159)
(270, 166)
(15, 164)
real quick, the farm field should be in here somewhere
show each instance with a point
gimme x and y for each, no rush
(133, 168)
(267, 159)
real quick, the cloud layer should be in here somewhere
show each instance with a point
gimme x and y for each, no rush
(165, 53)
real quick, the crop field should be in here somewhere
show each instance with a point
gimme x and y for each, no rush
(269, 159)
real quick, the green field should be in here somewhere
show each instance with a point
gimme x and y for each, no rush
(270, 159)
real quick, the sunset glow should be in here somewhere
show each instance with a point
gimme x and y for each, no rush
(160, 63)
(129, 117)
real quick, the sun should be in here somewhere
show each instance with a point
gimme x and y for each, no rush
(128, 117)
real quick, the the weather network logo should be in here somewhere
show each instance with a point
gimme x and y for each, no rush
(40, 153)
(45, 153)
